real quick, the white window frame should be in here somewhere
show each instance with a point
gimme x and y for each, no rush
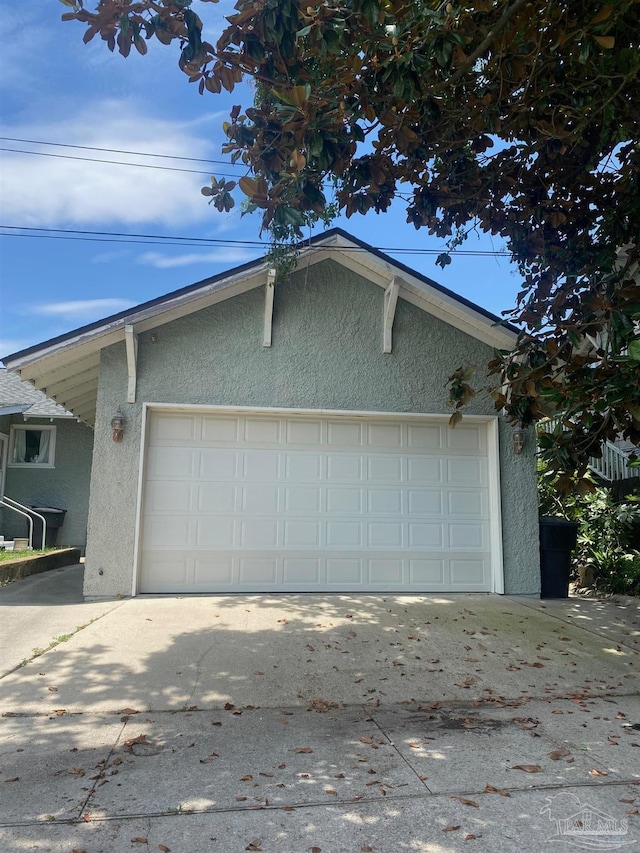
(34, 428)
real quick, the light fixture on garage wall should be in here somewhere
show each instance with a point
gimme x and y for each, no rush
(518, 440)
(117, 426)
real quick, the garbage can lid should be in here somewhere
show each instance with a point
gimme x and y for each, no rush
(552, 520)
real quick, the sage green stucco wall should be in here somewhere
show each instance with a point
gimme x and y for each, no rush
(326, 353)
(65, 486)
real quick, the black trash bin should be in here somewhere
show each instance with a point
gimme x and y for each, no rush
(558, 538)
(54, 519)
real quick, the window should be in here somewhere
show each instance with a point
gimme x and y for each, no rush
(32, 446)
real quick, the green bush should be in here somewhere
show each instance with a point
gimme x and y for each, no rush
(604, 553)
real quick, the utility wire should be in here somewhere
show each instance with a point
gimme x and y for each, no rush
(112, 162)
(114, 150)
(166, 239)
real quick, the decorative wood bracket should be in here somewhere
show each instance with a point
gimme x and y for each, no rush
(131, 341)
(269, 293)
(390, 302)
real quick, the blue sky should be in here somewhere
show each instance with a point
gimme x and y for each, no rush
(55, 89)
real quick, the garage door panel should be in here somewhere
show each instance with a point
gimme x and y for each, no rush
(218, 464)
(467, 503)
(466, 471)
(172, 462)
(167, 531)
(424, 471)
(216, 497)
(466, 438)
(424, 438)
(253, 503)
(344, 500)
(426, 535)
(345, 434)
(427, 573)
(344, 467)
(215, 532)
(220, 430)
(170, 497)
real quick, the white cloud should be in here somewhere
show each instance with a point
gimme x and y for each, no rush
(57, 192)
(81, 308)
(213, 258)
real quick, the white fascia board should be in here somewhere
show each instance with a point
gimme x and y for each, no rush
(94, 340)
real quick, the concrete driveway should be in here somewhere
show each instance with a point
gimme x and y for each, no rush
(320, 723)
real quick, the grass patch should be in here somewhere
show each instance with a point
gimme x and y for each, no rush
(26, 552)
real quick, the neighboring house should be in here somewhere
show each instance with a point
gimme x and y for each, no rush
(45, 460)
(294, 436)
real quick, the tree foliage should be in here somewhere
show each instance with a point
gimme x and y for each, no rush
(515, 117)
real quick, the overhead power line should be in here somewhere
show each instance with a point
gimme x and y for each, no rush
(113, 162)
(115, 151)
(202, 242)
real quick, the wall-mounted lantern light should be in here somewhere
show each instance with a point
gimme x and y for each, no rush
(518, 440)
(117, 426)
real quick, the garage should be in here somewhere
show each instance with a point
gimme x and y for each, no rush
(254, 500)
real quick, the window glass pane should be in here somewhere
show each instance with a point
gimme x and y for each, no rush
(31, 446)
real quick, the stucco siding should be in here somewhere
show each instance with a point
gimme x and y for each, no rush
(65, 486)
(326, 353)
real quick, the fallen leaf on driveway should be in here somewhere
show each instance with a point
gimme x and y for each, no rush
(305, 749)
(528, 768)
(76, 771)
(464, 801)
(366, 849)
(129, 711)
(53, 689)
(470, 836)
(557, 754)
(491, 789)
(451, 828)
(210, 758)
(254, 845)
(598, 773)
(13, 779)
(139, 839)
(316, 850)
(163, 848)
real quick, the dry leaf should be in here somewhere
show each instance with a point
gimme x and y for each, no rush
(139, 839)
(129, 711)
(13, 779)
(366, 849)
(464, 801)
(86, 817)
(247, 778)
(254, 845)
(598, 773)
(528, 768)
(316, 850)
(451, 828)
(330, 791)
(491, 789)
(557, 754)
(303, 749)
(53, 689)
(470, 836)
(163, 848)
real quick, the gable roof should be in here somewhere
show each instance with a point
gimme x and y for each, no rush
(18, 397)
(67, 367)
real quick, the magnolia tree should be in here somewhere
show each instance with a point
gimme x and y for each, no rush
(520, 118)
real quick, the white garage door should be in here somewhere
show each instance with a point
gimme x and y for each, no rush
(261, 502)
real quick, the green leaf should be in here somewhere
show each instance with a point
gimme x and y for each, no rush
(634, 349)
